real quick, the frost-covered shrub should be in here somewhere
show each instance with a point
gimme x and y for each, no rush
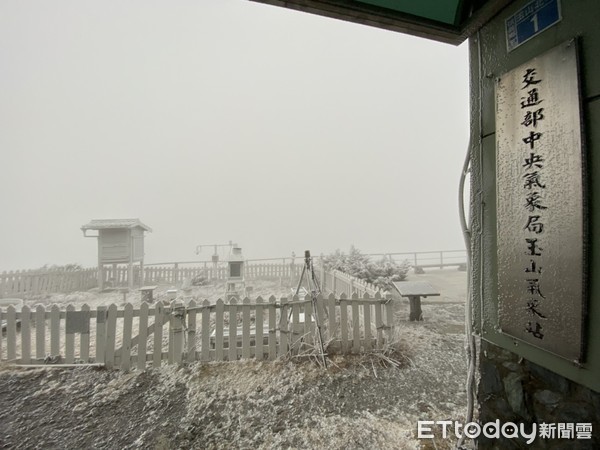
(381, 273)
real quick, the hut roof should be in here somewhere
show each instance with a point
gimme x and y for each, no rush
(102, 224)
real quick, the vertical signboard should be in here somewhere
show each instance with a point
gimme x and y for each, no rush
(540, 203)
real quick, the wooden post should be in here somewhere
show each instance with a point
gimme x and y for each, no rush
(143, 336)
(389, 312)
(11, 333)
(258, 326)
(296, 332)
(111, 336)
(158, 333)
(379, 322)
(191, 335)
(176, 324)
(126, 344)
(355, 325)
(233, 330)
(246, 328)
(25, 335)
(84, 339)
(220, 309)
(283, 328)
(331, 329)
(54, 331)
(40, 332)
(367, 321)
(272, 329)
(69, 339)
(101, 314)
(205, 331)
(344, 322)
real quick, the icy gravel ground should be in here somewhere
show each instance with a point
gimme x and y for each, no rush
(356, 403)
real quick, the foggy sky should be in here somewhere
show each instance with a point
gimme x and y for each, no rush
(218, 120)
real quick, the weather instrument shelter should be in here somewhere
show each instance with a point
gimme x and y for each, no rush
(120, 241)
(235, 274)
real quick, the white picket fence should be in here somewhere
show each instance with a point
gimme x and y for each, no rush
(176, 272)
(157, 334)
(21, 282)
(33, 282)
(341, 283)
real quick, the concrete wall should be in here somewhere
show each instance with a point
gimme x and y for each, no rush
(518, 381)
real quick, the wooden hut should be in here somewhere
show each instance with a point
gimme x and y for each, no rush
(120, 241)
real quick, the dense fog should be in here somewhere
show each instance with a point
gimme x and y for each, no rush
(224, 120)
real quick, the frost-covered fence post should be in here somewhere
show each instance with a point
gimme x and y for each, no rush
(111, 336)
(127, 331)
(101, 314)
(54, 331)
(296, 332)
(233, 330)
(379, 321)
(11, 333)
(355, 325)
(176, 325)
(246, 328)
(258, 342)
(40, 332)
(389, 316)
(25, 335)
(158, 332)
(191, 331)
(205, 331)
(344, 322)
(219, 330)
(331, 329)
(143, 336)
(367, 320)
(84, 339)
(272, 329)
(69, 338)
(283, 328)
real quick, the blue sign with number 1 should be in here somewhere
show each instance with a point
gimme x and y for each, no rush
(533, 18)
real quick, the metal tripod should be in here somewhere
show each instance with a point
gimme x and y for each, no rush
(313, 290)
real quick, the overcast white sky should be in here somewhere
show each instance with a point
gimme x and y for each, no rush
(218, 120)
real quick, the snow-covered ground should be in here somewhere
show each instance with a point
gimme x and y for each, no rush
(358, 402)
